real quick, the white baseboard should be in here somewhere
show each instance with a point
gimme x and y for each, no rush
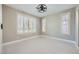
(16, 41)
(65, 40)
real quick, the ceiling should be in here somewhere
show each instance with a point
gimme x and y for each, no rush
(51, 8)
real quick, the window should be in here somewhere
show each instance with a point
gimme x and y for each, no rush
(30, 25)
(20, 24)
(25, 24)
(33, 24)
(44, 25)
(65, 23)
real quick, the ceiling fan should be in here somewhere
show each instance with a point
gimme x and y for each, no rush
(41, 8)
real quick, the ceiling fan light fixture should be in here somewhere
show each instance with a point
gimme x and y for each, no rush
(41, 8)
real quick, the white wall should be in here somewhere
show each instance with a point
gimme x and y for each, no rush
(77, 27)
(54, 25)
(10, 25)
(0, 26)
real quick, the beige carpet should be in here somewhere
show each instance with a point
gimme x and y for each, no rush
(41, 45)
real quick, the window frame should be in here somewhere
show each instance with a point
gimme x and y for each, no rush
(68, 14)
(29, 21)
(44, 29)
(18, 29)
